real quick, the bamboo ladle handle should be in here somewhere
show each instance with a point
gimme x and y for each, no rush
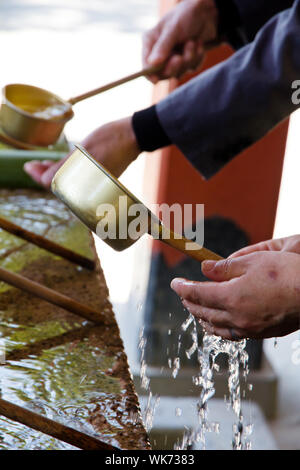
(172, 239)
(52, 296)
(121, 81)
(142, 73)
(53, 428)
(46, 244)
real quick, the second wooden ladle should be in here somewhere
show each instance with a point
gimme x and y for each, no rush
(35, 116)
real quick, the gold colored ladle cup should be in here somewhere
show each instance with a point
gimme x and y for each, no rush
(37, 117)
(93, 194)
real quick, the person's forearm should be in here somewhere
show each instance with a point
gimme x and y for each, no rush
(226, 109)
(150, 130)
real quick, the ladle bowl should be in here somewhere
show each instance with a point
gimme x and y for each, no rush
(35, 116)
(98, 199)
(22, 118)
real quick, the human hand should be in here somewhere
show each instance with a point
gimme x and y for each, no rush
(188, 26)
(114, 145)
(43, 171)
(290, 244)
(252, 296)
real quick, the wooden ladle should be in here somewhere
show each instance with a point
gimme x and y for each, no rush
(36, 117)
(85, 186)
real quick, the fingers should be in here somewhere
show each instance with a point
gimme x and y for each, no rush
(215, 322)
(178, 64)
(269, 245)
(224, 270)
(157, 48)
(159, 45)
(162, 47)
(149, 40)
(193, 54)
(215, 317)
(173, 68)
(43, 172)
(238, 335)
(36, 169)
(47, 177)
(245, 251)
(225, 333)
(189, 52)
(207, 294)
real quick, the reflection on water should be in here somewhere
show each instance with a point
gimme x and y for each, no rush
(18, 336)
(43, 216)
(65, 384)
(58, 365)
(16, 436)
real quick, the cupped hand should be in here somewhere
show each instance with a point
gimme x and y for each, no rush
(114, 145)
(179, 38)
(252, 296)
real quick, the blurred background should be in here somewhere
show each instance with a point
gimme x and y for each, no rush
(71, 46)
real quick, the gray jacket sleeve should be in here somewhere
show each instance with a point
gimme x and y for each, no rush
(229, 107)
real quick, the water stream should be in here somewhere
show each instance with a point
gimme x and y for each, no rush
(153, 400)
(207, 354)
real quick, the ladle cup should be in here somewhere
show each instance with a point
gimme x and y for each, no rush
(35, 116)
(100, 201)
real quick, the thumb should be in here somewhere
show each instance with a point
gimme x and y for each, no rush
(162, 48)
(224, 270)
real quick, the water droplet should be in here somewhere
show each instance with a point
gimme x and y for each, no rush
(176, 367)
(187, 322)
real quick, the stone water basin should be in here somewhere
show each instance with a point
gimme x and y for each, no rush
(57, 364)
